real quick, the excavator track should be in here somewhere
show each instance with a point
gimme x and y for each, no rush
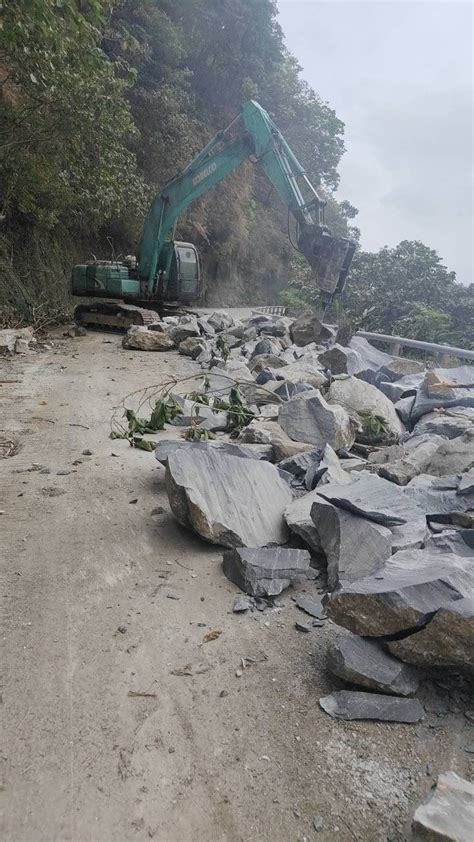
(110, 315)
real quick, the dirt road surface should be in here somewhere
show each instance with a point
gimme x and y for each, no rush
(120, 722)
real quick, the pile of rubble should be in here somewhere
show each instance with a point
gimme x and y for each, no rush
(356, 466)
(17, 340)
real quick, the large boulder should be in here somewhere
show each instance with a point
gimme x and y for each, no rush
(308, 328)
(139, 338)
(328, 469)
(404, 594)
(446, 641)
(265, 571)
(228, 501)
(447, 815)
(302, 371)
(264, 361)
(184, 331)
(220, 321)
(354, 547)
(364, 663)
(166, 447)
(341, 360)
(309, 418)
(365, 402)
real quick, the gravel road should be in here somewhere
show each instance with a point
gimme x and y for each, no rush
(121, 723)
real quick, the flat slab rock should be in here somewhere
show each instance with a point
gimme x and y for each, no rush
(448, 813)
(357, 396)
(265, 571)
(446, 641)
(298, 518)
(165, 447)
(374, 498)
(228, 501)
(364, 662)
(351, 704)
(404, 594)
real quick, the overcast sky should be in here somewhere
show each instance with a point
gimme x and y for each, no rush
(399, 75)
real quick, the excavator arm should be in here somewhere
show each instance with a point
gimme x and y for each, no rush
(251, 135)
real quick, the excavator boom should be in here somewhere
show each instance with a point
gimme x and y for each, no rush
(169, 271)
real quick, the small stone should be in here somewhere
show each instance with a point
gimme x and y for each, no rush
(242, 603)
(302, 627)
(171, 750)
(87, 452)
(223, 693)
(363, 662)
(318, 823)
(311, 606)
(122, 629)
(264, 571)
(62, 473)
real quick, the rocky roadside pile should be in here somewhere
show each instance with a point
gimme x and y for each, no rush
(19, 340)
(353, 468)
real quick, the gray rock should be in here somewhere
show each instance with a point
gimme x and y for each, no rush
(374, 498)
(228, 501)
(167, 446)
(266, 346)
(363, 662)
(265, 572)
(354, 547)
(303, 371)
(328, 470)
(309, 418)
(192, 347)
(278, 328)
(350, 704)
(453, 456)
(308, 328)
(264, 361)
(357, 397)
(403, 408)
(448, 813)
(311, 605)
(446, 422)
(460, 542)
(204, 416)
(404, 594)
(435, 500)
(287, 390)
(373, 358)
(303, 627)
(139, 338)
(220, 321)
(446, 641)
(300, 462)
(415, 457)
(184, 331)
(466, 483)
(241, 604)
(341, 360)
(444, 387)
(270, 433)
(298, 518)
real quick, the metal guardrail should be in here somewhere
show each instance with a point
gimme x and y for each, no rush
(446, 352)
(276, 310)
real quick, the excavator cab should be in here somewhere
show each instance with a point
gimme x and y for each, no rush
(179, 272)
(330, 259)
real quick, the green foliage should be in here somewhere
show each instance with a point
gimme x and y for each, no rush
(406, 290)
(222, 345)
(373, 426)
(165, 410)
(196, 433)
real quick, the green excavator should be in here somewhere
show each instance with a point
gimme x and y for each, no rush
(167, 272)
